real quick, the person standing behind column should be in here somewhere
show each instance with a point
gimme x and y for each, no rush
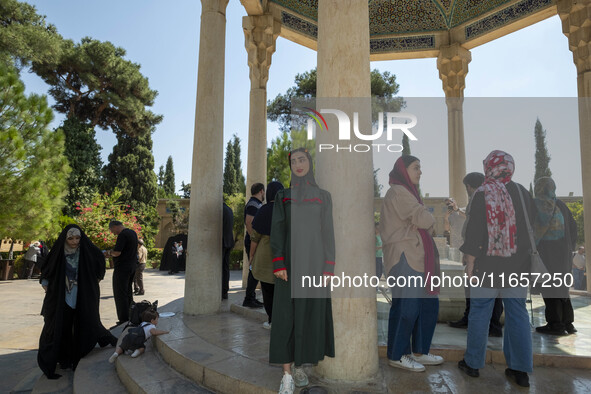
(138, 280)
(260, 250)
(257, 191)
(555, 232)
(579, 266)
(125, 259)
(227, 245)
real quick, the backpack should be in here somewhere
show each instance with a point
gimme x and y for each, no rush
(137, 337)
(136, 311)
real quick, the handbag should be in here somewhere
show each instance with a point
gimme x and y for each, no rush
(537, 265)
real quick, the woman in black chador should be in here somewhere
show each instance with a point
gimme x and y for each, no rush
(73, 325)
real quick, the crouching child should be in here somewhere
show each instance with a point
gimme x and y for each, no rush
(135, 339)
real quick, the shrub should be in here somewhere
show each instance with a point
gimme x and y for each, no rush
(576, 209)
(236, 259)
(19, 267)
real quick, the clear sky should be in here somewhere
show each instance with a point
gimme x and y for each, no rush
(163, 37)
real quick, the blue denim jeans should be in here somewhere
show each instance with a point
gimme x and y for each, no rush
(517, 340)
(413, 316)
(579, 279)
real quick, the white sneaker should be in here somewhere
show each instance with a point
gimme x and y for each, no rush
(136, 353)
(406, 362)
(287, 385)
(267, 325)
(113, 357)
(428, 359)
(299, 377)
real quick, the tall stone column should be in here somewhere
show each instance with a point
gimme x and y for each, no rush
(344, 81)
(260, 33)
(204, 273)
(576, 19)
(452, 64)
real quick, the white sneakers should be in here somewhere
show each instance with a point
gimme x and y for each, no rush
(113, 357)
(136, 353)
(299, 377)
(428, 359)
(408, 363)
(287, 385)
(267, 325)
(413, 363)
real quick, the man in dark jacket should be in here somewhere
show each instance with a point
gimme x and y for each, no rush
(257, 192)
(125, 258)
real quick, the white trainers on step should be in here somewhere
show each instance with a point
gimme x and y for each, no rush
(406, 362)
(428, 359)
(136, 353)
(287, 385)
(299, 377)
(113, 357)
(267, 325)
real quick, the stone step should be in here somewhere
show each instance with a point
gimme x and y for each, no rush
(149, 373)
(189, 352)
(94, 374)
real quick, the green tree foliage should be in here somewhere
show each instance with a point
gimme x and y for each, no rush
(238, 165)
(169, 183)
(92, 81)
(185, 189)
(161, 176)
(405, 145)
(230, 185)
(278, 168)
(542, 155)
(180, 217)
(237, 202)
(83, 153)
(377, 188)
(94, 218)
(383, 90)
(576, 209)
(131, 170)
(25, 36)
(33, 168)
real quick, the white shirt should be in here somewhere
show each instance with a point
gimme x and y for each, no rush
(147, 329)
(579, 261)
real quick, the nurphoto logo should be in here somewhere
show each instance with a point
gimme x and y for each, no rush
(394, 121)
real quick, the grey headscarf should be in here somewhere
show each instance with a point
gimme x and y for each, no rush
(71, 233)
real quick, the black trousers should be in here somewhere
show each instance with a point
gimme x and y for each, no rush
(67, 344)
(251, 286)
(268, 289)
(226, 271)
(175, 264)
(559, 312)
(122, 290)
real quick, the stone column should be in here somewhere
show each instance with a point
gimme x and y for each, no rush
(452, 64)
(260, 33)
(344, 80)
(203, 276)
(576, 19)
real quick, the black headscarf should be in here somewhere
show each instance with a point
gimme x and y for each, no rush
(262, 221)
(88, 329)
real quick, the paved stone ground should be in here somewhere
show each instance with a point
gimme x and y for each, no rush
(21, 323)
(21, 326)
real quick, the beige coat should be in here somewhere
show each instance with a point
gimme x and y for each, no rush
(400, 216)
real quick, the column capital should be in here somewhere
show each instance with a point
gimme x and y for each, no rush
(260, 35)
(214, 6)
(576, 26)
(452, 64)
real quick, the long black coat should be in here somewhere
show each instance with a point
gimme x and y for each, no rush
(88, 329)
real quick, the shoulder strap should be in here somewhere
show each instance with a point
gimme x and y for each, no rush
(529, 228)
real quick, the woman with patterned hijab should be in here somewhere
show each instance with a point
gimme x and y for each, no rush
(409, 251)
(497, 246)
(72, 326)
(555, 232)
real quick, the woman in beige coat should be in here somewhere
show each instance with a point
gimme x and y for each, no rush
(411, 260)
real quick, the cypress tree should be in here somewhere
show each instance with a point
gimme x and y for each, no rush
(168, 184)
(230, 183)
(83, 153)
(405, 145)
(542, 156)
(240, 180)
